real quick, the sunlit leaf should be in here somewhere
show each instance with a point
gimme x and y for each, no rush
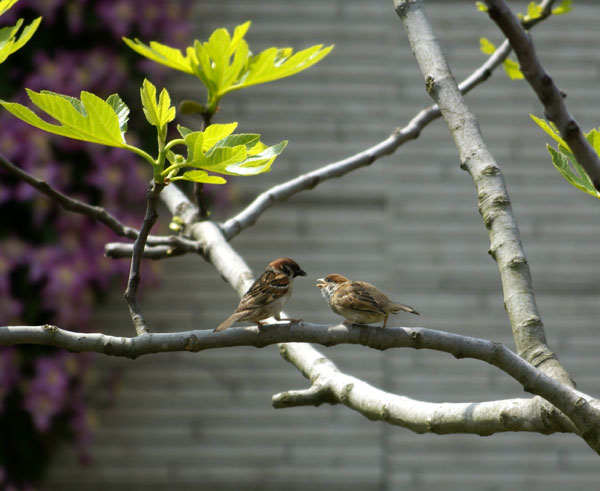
(216, 132)
(157, 114)
(6, 4)
(564, 160)
(9, 42)
(121, 110)
(89, 119)
(563, 7)
(200, 176)
(224, 63)
(550, 129)
(481, 6)
(160, 53)
(512, 69)
(534, 11)
(486, 46)
(572, 171)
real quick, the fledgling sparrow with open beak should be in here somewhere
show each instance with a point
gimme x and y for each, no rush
(358, 301)
(267, 295)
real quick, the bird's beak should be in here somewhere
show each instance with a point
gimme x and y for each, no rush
(321, 283)
(300, 272)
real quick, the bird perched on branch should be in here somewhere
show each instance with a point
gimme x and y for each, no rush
(358, 301)
(267, 295)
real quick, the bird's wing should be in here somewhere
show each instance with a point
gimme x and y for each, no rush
(354, 295)
(270, 286)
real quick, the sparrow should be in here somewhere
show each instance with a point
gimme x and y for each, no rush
(267, 295)
(358, 301)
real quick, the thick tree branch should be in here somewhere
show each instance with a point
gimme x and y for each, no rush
(139, 245)
(548, 93)
(330, 385)
(492, 195)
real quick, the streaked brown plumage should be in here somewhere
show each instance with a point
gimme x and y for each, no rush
(358, 301)
(267, 295)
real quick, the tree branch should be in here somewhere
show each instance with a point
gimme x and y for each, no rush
(139, 245)
(548, 93)
(492, 195)
(411, 131)
(68, 203)
(157, 247)
(330, 385)
(96, 212)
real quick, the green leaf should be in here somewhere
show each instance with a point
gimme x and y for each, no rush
(253, 164)
(534, 11)
(6, 5)
(160, 53)
(9, 43)
(121, 110)
(563, 8)
(249, 140)
(512, 69)
(200, 176)
(486, 46)
(273, 64)
(224, 63)
(157, 114)
(550, 129)
(89, 119)
(482, 7)
(194, 142)
(593, 137)
(216, 132)
(565, 166)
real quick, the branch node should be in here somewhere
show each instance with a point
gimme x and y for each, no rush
(50, 328)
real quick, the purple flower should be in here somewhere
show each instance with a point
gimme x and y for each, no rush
(46, 394)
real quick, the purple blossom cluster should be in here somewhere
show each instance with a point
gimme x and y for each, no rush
(52, 268)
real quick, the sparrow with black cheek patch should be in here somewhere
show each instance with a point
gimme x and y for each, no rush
(358, 301)
(267, 295)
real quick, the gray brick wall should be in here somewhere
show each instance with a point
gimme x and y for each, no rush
(408, 223)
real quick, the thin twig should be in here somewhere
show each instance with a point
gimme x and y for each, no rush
(96, 212)
(139, 245)
(543, 85)
(68, 203)
(157, 247)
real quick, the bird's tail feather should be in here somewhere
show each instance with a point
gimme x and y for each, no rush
(227, 322)
(405, 308)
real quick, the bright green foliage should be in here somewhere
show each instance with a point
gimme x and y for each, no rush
(218, 150)
(157, 114)
(511, 67)
(563, 8)
(9, 42)
(534, 11)
(224, 63)
(89, 119)
(564, 160)
(486, 46)
(482, 7)
(92, 119)
(6, 5)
